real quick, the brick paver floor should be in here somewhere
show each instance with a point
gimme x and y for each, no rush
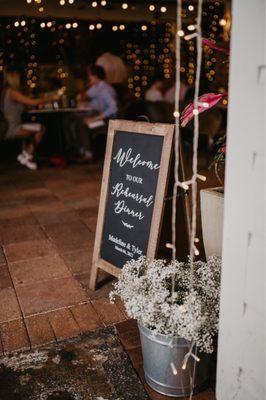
(47, 225)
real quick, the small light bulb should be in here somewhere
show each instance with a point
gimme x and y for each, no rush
(99, 26)
(174, 370)
(144, 27)
(151, 7)
(195, 111)
(124, 6)
(169, 245)
(71, 1)
(94, 4)
(62, 2)
(180, 33)
(49, 24)
(184, 186)
(201, 177)
(23, 23)
(91, 27)
(103, 3)
(196, 251)
(42, 24)
(163, 9)
(75, 25)
(68, 26)
(222, 22)
(16, 23)
(28, 1)
(176, 114)
(190, 7)
(191, 27)
(114, 28)
(122, 27)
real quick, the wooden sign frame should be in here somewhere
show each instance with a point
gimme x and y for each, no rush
(165, 130)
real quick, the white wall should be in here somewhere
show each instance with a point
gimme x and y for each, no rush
(241, 351)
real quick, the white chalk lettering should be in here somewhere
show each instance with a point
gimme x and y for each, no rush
(121, 207)
(125, 157)
(119, 190)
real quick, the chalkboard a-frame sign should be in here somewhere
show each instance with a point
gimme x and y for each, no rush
(132, 195)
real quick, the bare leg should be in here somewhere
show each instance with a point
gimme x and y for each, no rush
(37, 137)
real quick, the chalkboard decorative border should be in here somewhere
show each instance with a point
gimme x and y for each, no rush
(165, 130)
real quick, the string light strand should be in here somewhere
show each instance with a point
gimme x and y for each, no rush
(177, 124)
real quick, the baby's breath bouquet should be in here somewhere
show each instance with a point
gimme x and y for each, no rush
(160, 296)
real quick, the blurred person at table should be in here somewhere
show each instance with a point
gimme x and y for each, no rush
(101, 95)
(102, 99)
(13, 104)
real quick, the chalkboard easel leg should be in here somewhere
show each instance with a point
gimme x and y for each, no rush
(93, 277)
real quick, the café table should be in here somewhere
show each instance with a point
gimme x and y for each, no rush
(54, 120)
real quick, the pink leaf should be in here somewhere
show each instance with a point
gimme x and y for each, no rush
(209, 43)
(205, 102)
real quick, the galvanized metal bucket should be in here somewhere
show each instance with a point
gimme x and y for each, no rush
(159, 351)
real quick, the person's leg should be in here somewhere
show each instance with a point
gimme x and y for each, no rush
(83, 140)
(32, 139)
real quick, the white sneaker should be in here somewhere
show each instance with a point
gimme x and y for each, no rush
(26, 159)
(20, 158)
(31, 165)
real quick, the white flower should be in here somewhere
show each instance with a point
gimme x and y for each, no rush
(159, 296)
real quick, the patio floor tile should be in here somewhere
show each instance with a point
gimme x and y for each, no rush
(50, 295)
(23, 233)
(62, 235)
(38, 269)
(104, 284)
(5, 280)
(48, 217)
(109, 313)
(9, 307)
(63, 324)
(86, 317)
(30, 249)
(14, 336)
(2, 255)
(78, 261)
(40, 330)
(13, 211)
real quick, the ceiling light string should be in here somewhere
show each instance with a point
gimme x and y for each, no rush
(177, 124)
(195, 174)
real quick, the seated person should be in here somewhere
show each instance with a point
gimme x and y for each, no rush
(14, 102)
(101, 95)
(103, 99)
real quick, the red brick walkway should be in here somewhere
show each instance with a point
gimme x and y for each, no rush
(47, 223)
